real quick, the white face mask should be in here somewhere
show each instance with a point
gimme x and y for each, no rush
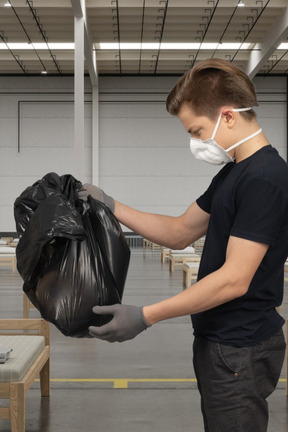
(211, 152)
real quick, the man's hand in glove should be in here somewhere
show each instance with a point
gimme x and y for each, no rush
(127, 322)
(98, 194)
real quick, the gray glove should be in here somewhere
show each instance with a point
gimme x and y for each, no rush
(98, 194)
(127, 322)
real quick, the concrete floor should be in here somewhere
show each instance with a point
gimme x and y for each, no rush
(144, 385)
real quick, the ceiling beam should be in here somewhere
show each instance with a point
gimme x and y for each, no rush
(79, 11)
(262, 51)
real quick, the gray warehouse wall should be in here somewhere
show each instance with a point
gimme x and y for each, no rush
(144, 157)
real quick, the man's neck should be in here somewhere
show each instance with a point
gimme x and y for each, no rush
(248, 148)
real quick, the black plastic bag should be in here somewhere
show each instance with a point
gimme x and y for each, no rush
(71, 255)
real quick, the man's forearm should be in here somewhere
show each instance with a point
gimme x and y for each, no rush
(231, 281)
(213, 290)
(171, 232)
(160, 229)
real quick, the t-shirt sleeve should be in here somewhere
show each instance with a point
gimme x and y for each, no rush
(205, 200)
(260, 208)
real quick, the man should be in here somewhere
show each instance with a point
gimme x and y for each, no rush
(239, 344)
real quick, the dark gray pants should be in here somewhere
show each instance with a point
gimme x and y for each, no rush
(235, 382)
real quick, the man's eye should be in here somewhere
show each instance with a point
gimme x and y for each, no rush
(196, 132)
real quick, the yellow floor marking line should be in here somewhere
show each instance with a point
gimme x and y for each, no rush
(120, 383)
(123, 382)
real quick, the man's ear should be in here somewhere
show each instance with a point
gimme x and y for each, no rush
(228, 117)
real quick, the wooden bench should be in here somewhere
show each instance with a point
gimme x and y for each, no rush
(8, 256)
(146, 243)
(190, 271)
(27, 305)
(165, 254)
(155, 246)
(198, 245)
(8, 259)
(30, 342)
(8, 240)
(178, 259)
(150, 244)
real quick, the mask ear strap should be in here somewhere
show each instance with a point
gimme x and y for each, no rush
(243, 140)
(216, 127)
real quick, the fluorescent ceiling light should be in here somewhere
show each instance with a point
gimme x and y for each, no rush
(233, 46)
(172, 46)
(61, 46)
(37, 46)
(129, 46)
(179, 46)
(153, 46)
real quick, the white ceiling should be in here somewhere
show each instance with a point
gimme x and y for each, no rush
(262, 25)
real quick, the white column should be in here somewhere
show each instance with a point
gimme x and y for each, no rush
(84, 48)
(79, 98)
(95, 136)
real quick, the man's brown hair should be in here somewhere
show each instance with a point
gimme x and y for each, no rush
(211, 84)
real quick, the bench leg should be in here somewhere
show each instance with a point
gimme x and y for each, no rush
(26, 306)
(189, 278)
(17, 407)
(45, 379)
(184, 278)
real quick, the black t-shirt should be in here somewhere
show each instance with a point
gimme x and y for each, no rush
(248, 200)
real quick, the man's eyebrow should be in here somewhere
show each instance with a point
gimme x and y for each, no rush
(194, 127)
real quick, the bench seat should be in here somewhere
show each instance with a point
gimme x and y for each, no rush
(178, 259)
(25, 351)
(30, 342)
